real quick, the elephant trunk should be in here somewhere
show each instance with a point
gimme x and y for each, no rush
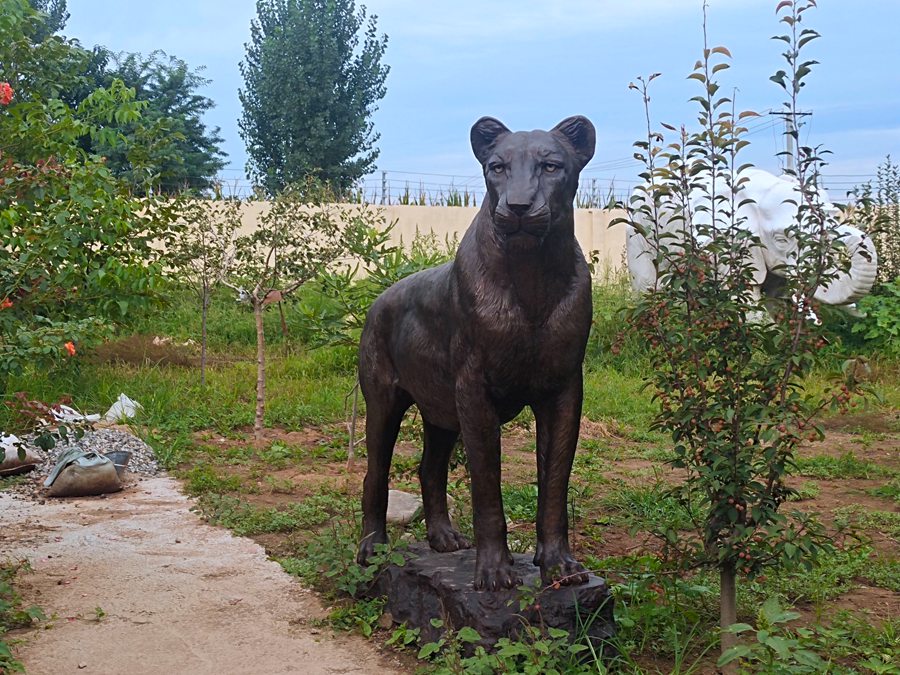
(853, 284)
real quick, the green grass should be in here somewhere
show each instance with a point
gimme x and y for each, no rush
(13, 613)
(875, 645)
(807, 490)
(302, 389)
(649, 507)
(856, 516)
(661, 611)
(833, 575)
(890, 490)
(847, 465)
(231, 326)
(247, 520)
(520, 502)
(884, 572)
(610, 395)
(202, 479)
(658, 611)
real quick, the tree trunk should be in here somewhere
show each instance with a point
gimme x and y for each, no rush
(260, 369)
(284, 330)
(203, 314)
(351, 451)
(728, 614)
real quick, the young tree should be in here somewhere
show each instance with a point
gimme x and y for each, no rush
(878, 210)
(310, 89)
(203, 253)
(301, 235)
(374, 264)
(729, 383)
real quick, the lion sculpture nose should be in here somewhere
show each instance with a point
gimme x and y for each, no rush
(519, 206)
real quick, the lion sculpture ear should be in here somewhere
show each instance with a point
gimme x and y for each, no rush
(485, 134)
(580, 133)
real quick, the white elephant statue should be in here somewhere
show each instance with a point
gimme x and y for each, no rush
(767, 206)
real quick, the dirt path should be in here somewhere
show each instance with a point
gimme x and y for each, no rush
(179, 596)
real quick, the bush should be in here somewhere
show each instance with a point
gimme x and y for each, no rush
(881, 325)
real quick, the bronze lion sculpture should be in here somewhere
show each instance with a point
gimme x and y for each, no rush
(474, 341)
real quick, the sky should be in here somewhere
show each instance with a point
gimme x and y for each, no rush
(532, 63)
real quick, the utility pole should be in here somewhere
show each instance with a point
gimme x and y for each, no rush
(790, 133)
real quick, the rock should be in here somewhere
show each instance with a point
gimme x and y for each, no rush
(403, 507)
(439, 586)
(10, 464)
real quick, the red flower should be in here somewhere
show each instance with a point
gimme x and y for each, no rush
(70, 347)
(6, 303)
(6, 93)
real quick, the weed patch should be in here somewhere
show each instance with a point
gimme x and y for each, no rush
(807, 490)
(520, 502)
(833, 575)
(856, 516)
(204, 479)
(847, 465)
(13, 614)
(884, 573)
(890, 490)
(649, 507)
(247, 520)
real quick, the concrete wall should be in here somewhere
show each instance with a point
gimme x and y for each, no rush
(591, 228)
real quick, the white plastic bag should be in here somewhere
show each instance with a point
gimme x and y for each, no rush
(124, 408)
(67, 414)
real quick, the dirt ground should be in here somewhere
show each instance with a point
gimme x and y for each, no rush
(137, 584)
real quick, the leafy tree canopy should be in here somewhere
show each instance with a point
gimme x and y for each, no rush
(78, 247)
(55, 16)
(191, 155)
(186, 154)
(312, 78)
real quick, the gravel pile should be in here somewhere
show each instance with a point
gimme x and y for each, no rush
(143, 461)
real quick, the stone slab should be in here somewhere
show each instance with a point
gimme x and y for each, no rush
(439, 586)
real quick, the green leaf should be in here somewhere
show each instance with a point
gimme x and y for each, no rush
(468, 634)
(777, 643)
(811, 659)
(429, 649)
(734, 653)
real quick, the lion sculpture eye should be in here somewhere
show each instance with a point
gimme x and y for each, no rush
(551, 168)
(498, 168)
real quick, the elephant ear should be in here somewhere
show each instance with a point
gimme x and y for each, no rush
(484, 136)
(756, 259)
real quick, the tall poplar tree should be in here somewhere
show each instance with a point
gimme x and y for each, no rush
(312, 78)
